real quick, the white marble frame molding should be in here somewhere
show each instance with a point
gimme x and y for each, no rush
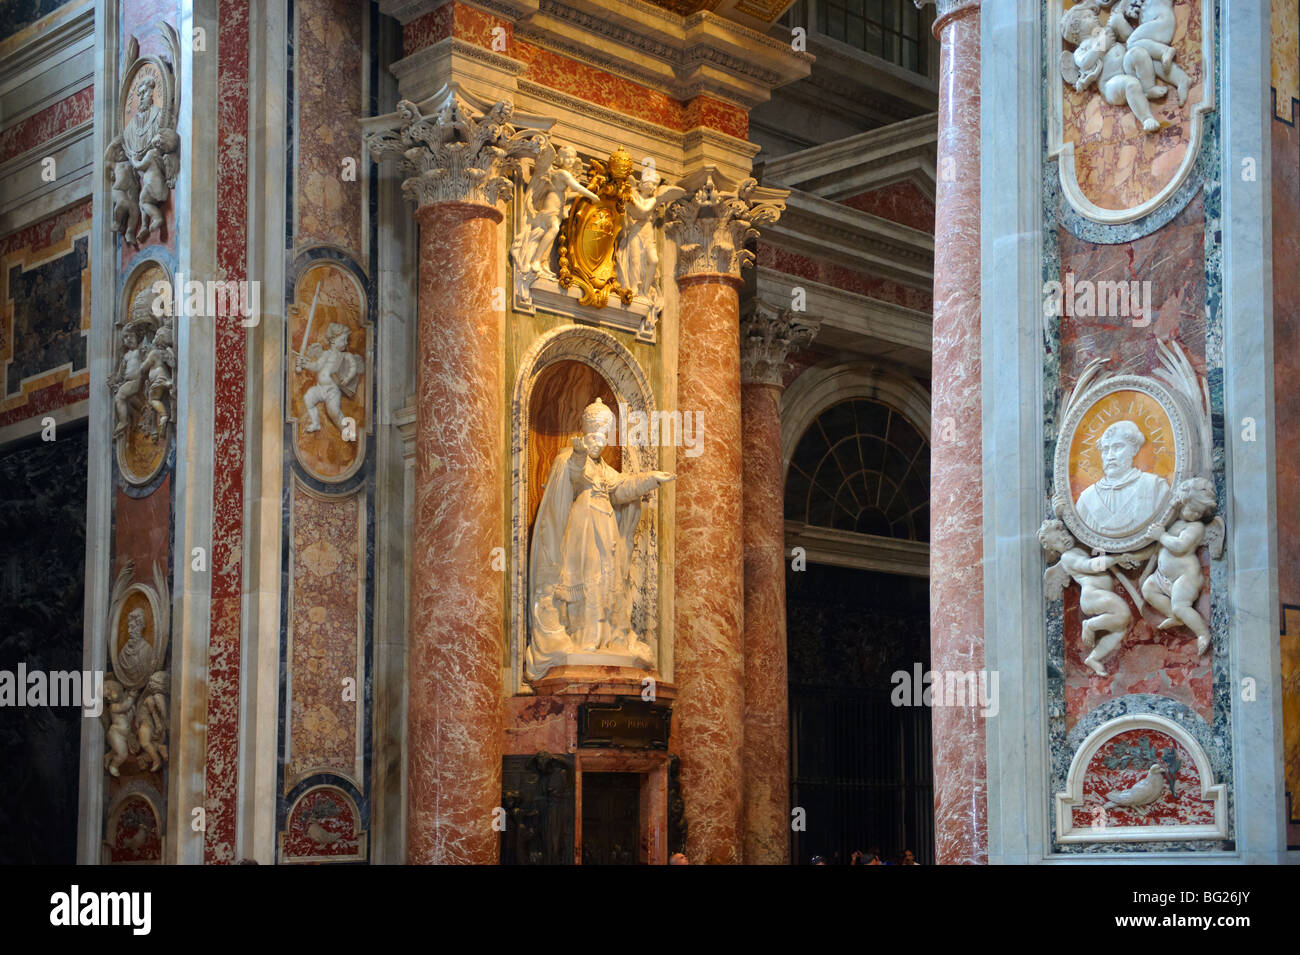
(1063, 151)
(1067, 801)
(603, 352)
(50, 66)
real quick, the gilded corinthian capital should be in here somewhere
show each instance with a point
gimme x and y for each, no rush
(712, 221)
(456, 147)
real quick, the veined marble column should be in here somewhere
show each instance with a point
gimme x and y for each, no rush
(710, 226)
(454, 722)
(956, 465)
(766, 338)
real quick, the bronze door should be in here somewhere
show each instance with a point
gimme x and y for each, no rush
(611, 818)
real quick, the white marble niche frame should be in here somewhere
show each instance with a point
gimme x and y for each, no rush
(1072, 798)
(1063, 152)
(601, 351)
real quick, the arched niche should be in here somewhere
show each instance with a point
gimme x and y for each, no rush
(559, 375)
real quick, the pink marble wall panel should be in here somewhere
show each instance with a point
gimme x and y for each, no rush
(327, 83)
(455, 718)
(222, 766)
(139, 19)
(956, 469)
(328, 581)
(767, 744)
(1173, 261)
(709, 574)
(899, 202)
(837, 276)
(40, 127)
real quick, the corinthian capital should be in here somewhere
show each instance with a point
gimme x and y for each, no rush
(712, 221)
(456, 147)
(767, 336)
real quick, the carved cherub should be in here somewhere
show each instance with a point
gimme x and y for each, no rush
(1175, 583)
(639, 259)
(150, 720)
(1149, 45)
(1100, 57)
(117, 725)
(336, 370)
(555, 175)
(157, 168)
(158, 371)
(1106, 614)
(124, 191)
(126, 382)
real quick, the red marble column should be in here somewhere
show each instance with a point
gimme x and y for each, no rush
(710, 227)
(455, 717)
(956, 493)
(709, 575)
(765, 340)
(456, 157)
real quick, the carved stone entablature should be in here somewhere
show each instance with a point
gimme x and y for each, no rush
(457, 147)
(141, 162)
(711, 223)
(767, 336)
(1134, 491)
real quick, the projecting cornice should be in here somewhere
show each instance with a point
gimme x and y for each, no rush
(829, 231)
(848, 167)
(685, 57)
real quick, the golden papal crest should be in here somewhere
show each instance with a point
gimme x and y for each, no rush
(590, 236)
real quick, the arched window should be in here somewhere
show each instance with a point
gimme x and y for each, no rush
(862, 467)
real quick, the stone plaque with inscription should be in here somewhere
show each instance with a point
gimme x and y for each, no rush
(629, 724)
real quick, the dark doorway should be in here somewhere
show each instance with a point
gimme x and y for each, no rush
(860, 767)
(42, 588)
(611, 818)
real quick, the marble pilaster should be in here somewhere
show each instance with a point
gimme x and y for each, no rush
(766, 337)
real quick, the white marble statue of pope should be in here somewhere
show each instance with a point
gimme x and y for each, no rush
(580, 587)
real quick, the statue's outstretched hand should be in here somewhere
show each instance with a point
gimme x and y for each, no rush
(663, 477)
(578, 446)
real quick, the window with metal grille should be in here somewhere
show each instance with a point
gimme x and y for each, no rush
(893, 30)
(861, 466)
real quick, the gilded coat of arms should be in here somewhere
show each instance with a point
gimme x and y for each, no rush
(589, 239)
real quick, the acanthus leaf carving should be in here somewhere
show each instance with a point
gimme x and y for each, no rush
(462, 151)
(712, 222)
